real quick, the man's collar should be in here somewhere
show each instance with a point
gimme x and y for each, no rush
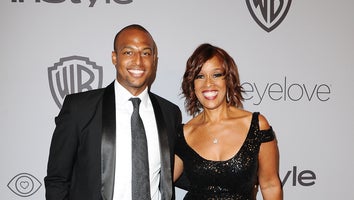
(123, 95)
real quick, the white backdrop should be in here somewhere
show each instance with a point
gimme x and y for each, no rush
(299, 75)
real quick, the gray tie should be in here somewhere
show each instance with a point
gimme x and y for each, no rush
(140, 161)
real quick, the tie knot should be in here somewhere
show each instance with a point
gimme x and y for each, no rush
(136, 102)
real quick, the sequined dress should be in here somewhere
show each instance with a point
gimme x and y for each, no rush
(232, 179)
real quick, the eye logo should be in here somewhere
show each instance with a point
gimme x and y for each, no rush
(73, 74)
(24, 185)
(268, 13)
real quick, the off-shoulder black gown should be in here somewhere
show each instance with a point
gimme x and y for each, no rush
(232, 179)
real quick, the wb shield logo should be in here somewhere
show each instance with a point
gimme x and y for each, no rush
(268, 13)
(71, 75)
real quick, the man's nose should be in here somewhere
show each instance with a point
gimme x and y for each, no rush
(137, 59)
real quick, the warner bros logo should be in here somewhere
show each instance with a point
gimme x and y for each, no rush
(268, 13)
(73, 74)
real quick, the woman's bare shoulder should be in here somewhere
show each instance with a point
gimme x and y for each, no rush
(263, 122)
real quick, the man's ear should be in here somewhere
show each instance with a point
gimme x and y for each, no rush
(114, 58)
(156, 60)
(156, 56)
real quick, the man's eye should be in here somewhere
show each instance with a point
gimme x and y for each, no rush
(147, 53)
(127, 52)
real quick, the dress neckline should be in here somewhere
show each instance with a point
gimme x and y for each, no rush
(254, 115)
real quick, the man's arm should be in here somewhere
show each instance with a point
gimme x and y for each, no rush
(62, 155)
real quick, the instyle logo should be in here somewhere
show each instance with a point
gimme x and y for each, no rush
(73, 74)
(24, 185)
(300, 177)
(268, 13)
(91, 2)
(286, 91)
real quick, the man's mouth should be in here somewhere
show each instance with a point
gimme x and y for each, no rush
(136, 72)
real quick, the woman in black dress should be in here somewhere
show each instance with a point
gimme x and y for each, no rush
(224, 151)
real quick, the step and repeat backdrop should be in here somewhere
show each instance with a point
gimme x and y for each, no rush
(295, 57)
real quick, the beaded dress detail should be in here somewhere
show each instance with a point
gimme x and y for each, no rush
(232, 179)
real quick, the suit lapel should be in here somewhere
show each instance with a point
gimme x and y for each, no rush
(165, 178)
(108, 143)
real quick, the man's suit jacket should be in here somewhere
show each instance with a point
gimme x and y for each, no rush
(82, 161)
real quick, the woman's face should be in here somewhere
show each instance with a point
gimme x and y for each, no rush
(210, 84)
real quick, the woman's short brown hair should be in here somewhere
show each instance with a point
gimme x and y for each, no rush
(195, 63)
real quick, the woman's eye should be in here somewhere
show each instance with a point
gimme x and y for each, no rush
(217, 75)
(199, 76)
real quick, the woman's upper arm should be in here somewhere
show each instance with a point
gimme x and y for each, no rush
(178, 168)
(268, 171)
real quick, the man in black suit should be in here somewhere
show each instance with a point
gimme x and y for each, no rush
(90, 153)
